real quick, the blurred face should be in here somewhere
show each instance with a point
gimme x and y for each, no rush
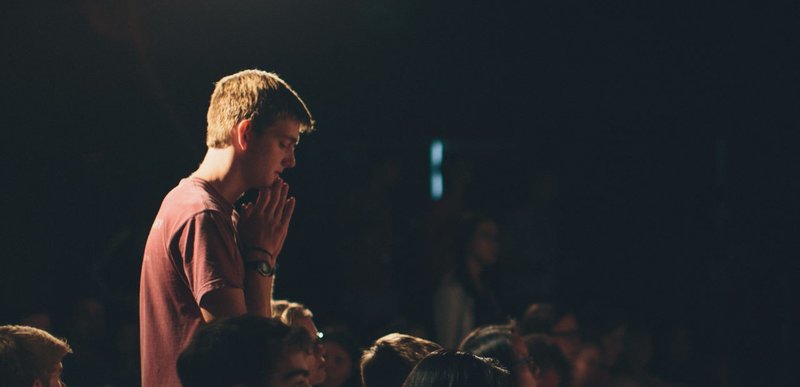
(589, 367)
(292, 372)
(484, 243)
(567, 337)
(338, 364)
(315, 359)
(270, 153)
(548, 378)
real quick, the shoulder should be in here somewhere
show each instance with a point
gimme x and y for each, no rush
(192, 201)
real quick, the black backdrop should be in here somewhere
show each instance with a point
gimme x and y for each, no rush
(670, 127)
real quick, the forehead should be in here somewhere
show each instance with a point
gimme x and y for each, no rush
(308, 324)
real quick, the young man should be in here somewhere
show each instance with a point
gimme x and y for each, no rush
(30, 357)
(250, 351)
(204, 260)
(295, 314)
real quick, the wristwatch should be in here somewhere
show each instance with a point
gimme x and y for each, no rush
(262, 267)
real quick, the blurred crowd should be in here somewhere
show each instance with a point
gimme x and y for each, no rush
(467, 329)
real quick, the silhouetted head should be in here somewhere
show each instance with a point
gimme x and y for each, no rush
(446, 368)
(389, 360)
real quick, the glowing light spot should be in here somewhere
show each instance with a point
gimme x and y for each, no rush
(437, 181)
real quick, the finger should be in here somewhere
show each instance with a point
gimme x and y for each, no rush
(288, 210)
(281, 201)
(264, 195)
(274, 195)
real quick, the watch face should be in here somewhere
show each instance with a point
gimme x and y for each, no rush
(265, 269)
(262, 267)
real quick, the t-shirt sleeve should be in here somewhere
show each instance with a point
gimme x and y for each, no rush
(211, 258)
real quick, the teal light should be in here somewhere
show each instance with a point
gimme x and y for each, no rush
(437, 182)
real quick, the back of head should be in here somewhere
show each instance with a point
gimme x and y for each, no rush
(492, 341)
(457, 369)
(259, 96)
(240, 350)
(28, 354)
(389, 360)
(289, 312)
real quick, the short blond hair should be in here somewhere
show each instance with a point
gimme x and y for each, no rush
(36, 351)
(256, 95)
(289, 312)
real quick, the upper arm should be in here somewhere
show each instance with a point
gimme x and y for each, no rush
(212, 267)
(222, 302)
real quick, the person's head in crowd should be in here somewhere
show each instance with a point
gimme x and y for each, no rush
(248, 350)
(30, 357)
(608, 327)
(492, 341)
(557, 322)
(389, 360)
(554, 369)
(503, 344)
(341, 358)
(297, 315)
(590, 368)
(445, 368)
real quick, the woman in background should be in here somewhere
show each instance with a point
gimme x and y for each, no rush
(462, 300)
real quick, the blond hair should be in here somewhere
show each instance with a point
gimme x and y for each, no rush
(259, 96)
(35, 351)
(289, 312)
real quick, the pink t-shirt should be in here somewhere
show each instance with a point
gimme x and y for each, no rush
(191, 251)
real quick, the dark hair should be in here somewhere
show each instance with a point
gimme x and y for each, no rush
(492, 341)
(389, 360)
(239, 350)
(446, 368)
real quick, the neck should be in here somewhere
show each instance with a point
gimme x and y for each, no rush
(218, 170)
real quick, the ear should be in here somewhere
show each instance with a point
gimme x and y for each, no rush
(243, 134)
(37, 383)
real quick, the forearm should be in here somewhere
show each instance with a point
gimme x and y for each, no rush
(258, 286)
(258, 293)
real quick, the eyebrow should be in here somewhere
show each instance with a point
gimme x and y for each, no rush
(295, 140)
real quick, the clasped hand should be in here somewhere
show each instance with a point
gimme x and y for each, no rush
(263, 224)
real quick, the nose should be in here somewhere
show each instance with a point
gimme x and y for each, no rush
(289, 161)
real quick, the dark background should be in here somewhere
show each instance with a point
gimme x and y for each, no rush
(669, 128)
